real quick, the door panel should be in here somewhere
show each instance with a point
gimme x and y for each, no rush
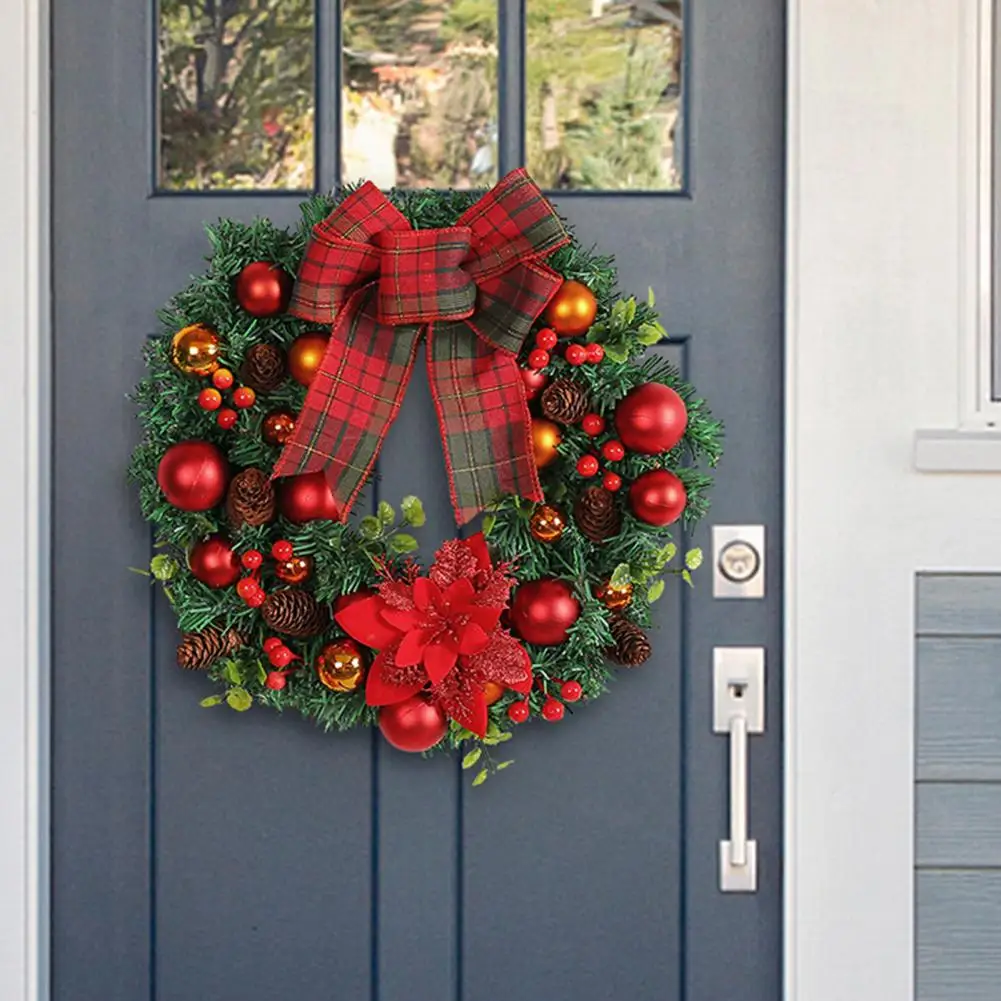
(203, 853)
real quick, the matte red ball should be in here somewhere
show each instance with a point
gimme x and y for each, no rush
(263, 289)
(657, 497)
(534, 381)
(543, 611)
(193, 475)
(413, 725)
(307, 498)
(214, 562)
(651, 419)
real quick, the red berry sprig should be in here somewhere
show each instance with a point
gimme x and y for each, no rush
(538, 358)
(611, 481)
(553, 710)
(518, 712)
(282, 551)
(592, 424)
(226, 418)
(546, 339)
(210, 399)
(571, 691)
(595, 353)
(575, 354)
(222, 378)
(587, 465)
(244, 397)
(613, 451)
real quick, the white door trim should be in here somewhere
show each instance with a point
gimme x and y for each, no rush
(24, 503)
(820, 901)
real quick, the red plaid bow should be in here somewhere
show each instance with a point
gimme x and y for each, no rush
(474, 288)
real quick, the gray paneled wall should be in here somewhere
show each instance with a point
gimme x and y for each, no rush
(958, 793)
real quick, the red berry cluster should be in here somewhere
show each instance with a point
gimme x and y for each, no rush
(553, 709)
(249, 588)
(575, 354)
(279, 657)
(210, 398)
(612, 451)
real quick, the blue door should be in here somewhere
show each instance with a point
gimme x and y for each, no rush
(212, 856)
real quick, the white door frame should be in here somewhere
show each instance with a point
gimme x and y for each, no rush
(863, 159)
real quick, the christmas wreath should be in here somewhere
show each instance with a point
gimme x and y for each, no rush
(264, 406)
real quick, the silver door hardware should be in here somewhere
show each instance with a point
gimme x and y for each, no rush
(738, 710)
(738, 561)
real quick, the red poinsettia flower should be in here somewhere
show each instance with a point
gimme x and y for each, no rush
(442, 633)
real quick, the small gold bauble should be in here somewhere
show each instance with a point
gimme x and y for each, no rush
(194, 350)
(572, 310)
(295, 569)
(341, 666)
(615, 597)
(545, 437)
(277, 427)
(493, 692)
(306, 354)
(547, 523)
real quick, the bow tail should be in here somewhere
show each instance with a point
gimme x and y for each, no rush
(352, 400)
(486, 428)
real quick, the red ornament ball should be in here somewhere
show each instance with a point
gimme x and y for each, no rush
(595, 353)
(572, 310)
(538, 358)
(575, 354)
(613, 451)
(307, 498)
(611, 481)
(592, 424)
(210, 399)
(214, 562)
(518, 712)
(276, 680)
(571, 691)
(193, 475)
(657, 497)
(263, 289)
(226, 418)
(413, 725)
(546, 339)
(252, 559)
(552, 710)
(244, 397)
(543, 610)
(282, 550)
(534, 381)
(222, 378)
(587, 465)
(651, 419)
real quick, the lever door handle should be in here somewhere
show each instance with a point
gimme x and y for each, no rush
(738, 710)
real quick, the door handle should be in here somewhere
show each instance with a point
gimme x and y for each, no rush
(738, 711)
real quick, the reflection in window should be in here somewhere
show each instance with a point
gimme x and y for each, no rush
(236, 94)
(603, 94)
(420, 92)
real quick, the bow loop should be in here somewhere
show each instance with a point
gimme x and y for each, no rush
(474, 289)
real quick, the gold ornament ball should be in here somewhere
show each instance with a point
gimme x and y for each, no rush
(615, 596)
(341, 666)
(545, 437)
(295, 569)
(572, 310)
(493, 692)
(195, 349)
(547, 523)
(306, 354)
(277, 427)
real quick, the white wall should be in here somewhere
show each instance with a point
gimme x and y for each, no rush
(882, 203)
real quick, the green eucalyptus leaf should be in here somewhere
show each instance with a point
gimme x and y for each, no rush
(505, 764)
(385, 513)
(503, 738)
(648, 334)
(403, 543)
(666, 554)
(231, 672)
(262, 675)
(239, 699)
(370, 527)
(164, 567)
(472, 757)
(630, 311)
(651, 299)
(596, 332)
(687, 578)
(693, 558)
(481, 777)
(413, 511)
(211, 700)
(621, 575)
(618, 314)
(655, 591)
(617, 352)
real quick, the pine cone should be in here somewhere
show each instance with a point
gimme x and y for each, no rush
(597, 515)
(199, 651)
(632, 647)
(564, 401)
(264, 368)
(294, 612)
(250, 499)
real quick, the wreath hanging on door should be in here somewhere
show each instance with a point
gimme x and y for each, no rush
(265, 405)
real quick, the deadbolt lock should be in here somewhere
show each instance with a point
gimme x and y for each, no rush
(738, 561)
